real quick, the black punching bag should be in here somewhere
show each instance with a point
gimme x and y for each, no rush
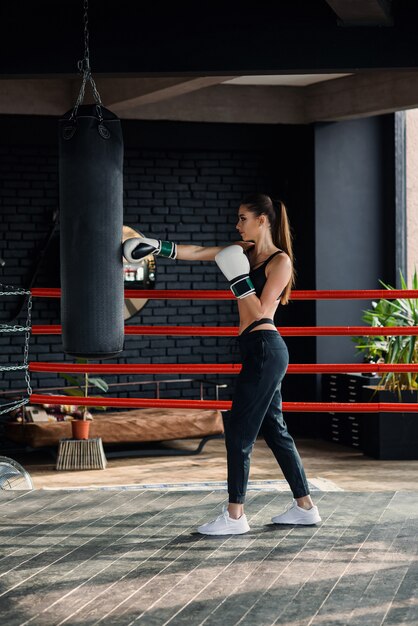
(91, 221)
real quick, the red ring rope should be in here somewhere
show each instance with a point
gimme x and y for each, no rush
(214, 368)
(191, 294)
(311, 407)
(232, 331)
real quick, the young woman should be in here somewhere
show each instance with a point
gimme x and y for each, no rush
(259, 268)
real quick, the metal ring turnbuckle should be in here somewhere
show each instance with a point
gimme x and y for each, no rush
(103, 131)
(68, 131)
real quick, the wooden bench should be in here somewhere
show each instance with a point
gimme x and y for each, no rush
(135, 426)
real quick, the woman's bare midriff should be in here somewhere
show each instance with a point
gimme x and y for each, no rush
(244, 323)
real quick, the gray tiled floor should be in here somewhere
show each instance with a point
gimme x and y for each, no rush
(124, 557)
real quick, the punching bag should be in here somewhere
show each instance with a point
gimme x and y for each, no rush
(91, 221)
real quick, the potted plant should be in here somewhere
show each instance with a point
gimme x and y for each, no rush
(80, 384)
(391, 435)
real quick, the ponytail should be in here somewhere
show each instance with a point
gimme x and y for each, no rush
(282, 238)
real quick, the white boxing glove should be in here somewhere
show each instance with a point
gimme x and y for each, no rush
(236, 268)
(136, 248)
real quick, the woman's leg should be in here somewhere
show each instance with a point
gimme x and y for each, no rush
(274, 429)
(264, 363)
(277, 437)
(256, 384)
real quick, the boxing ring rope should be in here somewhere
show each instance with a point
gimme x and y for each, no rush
(215, 368)
(232, 331)
(302, 368)
(218, 294)
(224, 405)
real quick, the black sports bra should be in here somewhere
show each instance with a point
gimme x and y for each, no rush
(258, 276)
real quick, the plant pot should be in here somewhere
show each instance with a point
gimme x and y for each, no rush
(80, 429)
(390, 436)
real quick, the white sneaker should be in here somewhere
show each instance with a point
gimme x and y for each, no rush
(295, 514)
(225, 525)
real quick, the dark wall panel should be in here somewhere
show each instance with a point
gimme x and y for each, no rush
(354, 228)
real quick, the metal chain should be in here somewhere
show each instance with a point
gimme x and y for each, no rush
(84, 68)
(13, 291)
(5, 328)
(86, 30)
(80, 98)
(26, 350)
(10, 406)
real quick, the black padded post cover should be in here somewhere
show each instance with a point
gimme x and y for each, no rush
(91, 221)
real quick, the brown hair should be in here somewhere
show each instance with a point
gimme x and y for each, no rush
(261, 204)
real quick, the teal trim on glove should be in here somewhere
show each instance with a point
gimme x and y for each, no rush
(167, 249)
(242, 287)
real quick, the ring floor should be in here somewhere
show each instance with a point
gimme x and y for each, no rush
(343, 466)
(134, 557)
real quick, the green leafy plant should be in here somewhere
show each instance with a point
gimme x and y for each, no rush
(397, 348)
(81, 384)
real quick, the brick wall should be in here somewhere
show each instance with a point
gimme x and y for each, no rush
(185, 196)
(183, 185)
(188, 197)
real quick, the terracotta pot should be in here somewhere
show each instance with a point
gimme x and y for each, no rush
(80, 429)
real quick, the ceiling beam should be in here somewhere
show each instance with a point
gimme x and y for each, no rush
(159, 99)
(361, 95)
(55, 96)
(124, 94)
(246, 104)
(44, 96)
(362, 12)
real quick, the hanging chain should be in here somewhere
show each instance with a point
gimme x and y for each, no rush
(84, 69)
(26, 350)
(86, 32)
(12, 406)
(5, 328)
(8, 290)
(12, 291)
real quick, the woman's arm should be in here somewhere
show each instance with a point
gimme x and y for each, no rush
(279, 275)
(197, 253)
(136, 248)
(205, 253)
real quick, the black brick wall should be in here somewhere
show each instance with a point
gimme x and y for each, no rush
(182, 182)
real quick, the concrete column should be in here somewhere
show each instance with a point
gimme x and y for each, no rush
(354, 221)
(412, 191)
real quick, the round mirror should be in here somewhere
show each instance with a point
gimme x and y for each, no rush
(139, 275)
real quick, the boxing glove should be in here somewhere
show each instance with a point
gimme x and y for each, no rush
(235, 266)
(136, 248)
